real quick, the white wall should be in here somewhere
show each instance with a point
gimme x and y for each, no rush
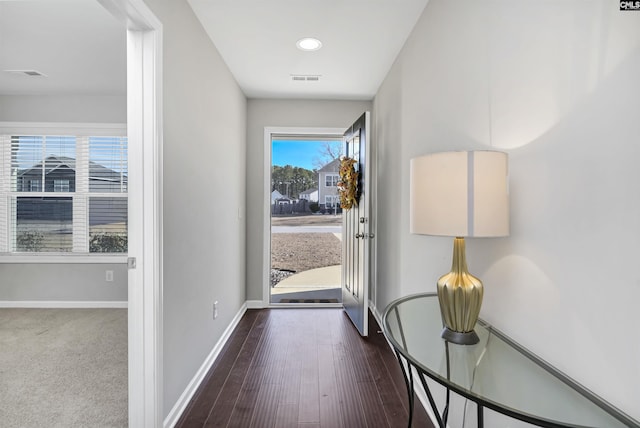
(204, 193)
(280, 113)
(557, 86)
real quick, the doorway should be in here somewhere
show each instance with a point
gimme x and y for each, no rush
(305, 219)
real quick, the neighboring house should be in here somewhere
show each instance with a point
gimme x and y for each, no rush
(328, 178)
(275, 195)
(59, 176)
(284, 201)
(59, 173)
(310, 195)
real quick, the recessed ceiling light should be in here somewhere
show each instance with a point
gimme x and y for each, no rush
(309, 44)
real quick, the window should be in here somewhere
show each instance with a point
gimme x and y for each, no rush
(331, 180)
(92, 215)
(60, 185)
(331, 201)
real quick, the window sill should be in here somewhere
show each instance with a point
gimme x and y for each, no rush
(62, 258)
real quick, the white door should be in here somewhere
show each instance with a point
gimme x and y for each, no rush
(356, 232)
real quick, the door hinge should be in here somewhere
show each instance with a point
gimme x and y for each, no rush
(131, 263)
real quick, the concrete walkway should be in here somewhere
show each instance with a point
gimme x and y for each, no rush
(310, 280)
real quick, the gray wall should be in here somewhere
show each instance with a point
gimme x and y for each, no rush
(554, 84)
(204, 194)
(280, 113)
(62, 282)
(64, 108)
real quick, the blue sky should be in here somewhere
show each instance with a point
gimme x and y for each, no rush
(296, 153)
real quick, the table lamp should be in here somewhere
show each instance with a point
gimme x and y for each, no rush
(460, 194)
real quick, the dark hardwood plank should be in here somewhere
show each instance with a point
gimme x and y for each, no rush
(287, 416)
(309, 405)
(222, 409)
(373, 409)
(303, 368)
(352, 410)
(199, 408)
(330, 411)
(266, 406)
(247, 399)
(394, 377)
(394, 402)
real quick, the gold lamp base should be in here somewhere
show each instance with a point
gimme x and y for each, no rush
(460, 295)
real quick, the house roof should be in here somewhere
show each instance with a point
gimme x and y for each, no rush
(333, 166)
(96, 171)
(308, 191)
(51, 163)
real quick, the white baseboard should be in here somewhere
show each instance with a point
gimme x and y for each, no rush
(180, 406)
(419, 390)
(255, 304)
(61, 304)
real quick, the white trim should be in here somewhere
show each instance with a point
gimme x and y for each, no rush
(59, 304)
(62, 258)
(419, 390)
(266, 193)
(186, 396)
(255, 304)
(145, 281)
(55, 128)
(144, 132)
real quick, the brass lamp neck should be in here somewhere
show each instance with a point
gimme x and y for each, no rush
(459, 263)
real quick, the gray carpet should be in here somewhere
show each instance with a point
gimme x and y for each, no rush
(63, 368)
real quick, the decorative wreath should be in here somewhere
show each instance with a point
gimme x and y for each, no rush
(348, 184)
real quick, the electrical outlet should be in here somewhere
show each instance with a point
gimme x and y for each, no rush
(108, 276)
(215, 309)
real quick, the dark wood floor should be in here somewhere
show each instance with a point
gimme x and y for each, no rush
(303, 368)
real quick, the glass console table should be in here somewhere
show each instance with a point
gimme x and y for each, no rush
(496, 373)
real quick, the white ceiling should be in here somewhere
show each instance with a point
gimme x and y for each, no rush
(78, 44)
(257, 39)
(82, 48)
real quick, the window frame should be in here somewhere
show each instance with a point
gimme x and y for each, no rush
(38, 188)
(334, 180)
(63, 185)
(79, 130)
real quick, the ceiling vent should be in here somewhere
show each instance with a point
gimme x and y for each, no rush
(30, 73)
(304, 78)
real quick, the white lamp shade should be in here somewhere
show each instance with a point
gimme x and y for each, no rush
(463, 194)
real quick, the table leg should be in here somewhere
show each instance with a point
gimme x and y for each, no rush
(480, 416)
(432, 402)
(408, 380)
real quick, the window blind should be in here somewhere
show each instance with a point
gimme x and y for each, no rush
(63, 194)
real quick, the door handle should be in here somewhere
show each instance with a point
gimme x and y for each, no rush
(359, 235)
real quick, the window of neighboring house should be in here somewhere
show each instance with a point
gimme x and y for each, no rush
(35, 186)
(92, 170)
(60, 185)
(331, 201)
(331, 180)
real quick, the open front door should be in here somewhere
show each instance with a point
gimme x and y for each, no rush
(356, 233)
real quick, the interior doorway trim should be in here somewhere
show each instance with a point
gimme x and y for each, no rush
(144, 129)
(270, 131)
